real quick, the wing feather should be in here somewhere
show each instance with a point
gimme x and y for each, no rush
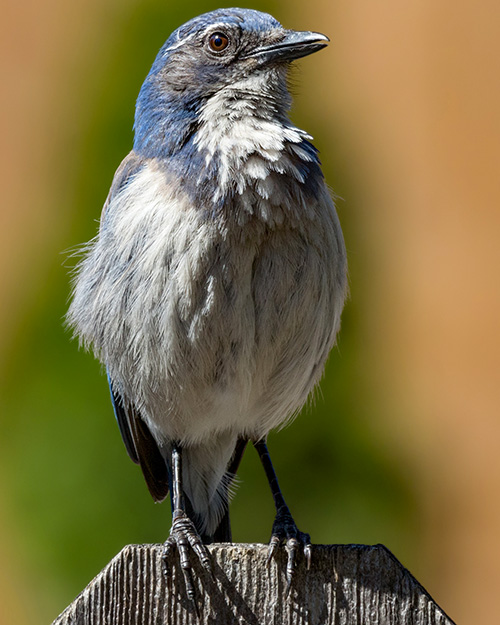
(141, 446)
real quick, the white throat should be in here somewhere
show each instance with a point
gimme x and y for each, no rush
(251, 142)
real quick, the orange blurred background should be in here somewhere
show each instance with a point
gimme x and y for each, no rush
(405, 109)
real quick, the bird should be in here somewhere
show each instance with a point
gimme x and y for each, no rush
(214, 288)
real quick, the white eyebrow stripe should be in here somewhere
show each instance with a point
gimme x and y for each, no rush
(216, 26)
(179, 43)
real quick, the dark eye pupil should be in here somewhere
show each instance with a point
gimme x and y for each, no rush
(218, 42)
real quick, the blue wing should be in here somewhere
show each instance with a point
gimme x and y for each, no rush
(141, 446)
(139, 442)
(123, 424)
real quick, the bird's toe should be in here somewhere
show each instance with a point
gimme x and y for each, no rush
(185, 537)
(285, 531)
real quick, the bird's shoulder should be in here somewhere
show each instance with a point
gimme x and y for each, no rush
(130, 166)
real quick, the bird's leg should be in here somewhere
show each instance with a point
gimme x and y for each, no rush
(284, 527)
(183, 533)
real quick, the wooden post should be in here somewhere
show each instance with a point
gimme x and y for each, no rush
(347, 585)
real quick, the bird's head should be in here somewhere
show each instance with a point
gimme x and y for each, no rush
(244, 52)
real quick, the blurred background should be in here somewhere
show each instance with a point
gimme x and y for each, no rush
(402, 446)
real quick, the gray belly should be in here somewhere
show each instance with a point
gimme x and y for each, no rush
(238, 340)
(207, 331)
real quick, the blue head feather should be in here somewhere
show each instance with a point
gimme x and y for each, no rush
(185, 75)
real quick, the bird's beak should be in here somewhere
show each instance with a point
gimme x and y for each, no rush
(294, 45)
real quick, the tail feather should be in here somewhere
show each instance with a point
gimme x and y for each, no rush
(221, 534)
(222, 530)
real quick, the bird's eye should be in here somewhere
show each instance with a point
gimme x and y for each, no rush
(218, 42)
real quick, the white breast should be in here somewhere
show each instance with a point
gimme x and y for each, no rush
(248, 147)
(202, 329)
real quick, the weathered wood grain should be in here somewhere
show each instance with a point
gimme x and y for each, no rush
(347, 585)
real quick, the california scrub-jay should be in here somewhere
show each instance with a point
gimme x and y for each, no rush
(214, 288)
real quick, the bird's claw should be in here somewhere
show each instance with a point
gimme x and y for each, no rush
(285, 531)
(184, 535)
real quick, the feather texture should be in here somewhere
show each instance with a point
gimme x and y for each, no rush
(214, 289)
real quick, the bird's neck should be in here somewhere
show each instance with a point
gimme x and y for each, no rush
(164, 122)
(248, 150)
(235, 147)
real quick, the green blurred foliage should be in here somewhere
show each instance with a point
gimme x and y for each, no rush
(74, 494)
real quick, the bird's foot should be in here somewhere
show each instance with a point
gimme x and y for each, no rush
(184, 535)
(285, 530)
